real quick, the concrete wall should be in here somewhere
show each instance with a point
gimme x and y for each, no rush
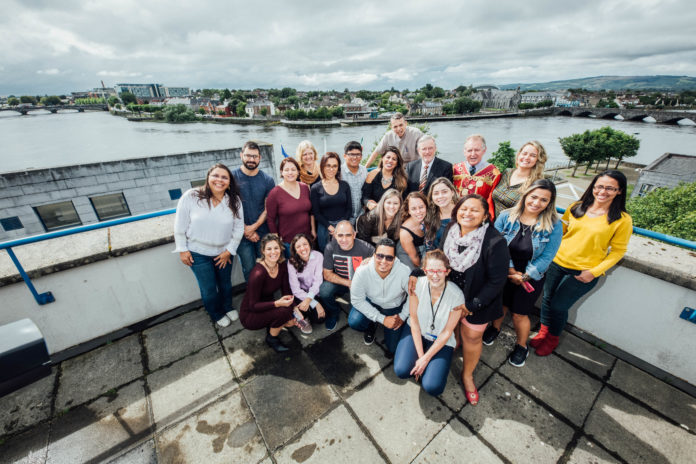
(145, 183)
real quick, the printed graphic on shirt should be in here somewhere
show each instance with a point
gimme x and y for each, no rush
(345, 266)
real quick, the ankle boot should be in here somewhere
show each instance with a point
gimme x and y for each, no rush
(547, 347)
(540, 337)
(276, 344)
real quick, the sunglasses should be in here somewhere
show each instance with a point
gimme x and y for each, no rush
(388, 258)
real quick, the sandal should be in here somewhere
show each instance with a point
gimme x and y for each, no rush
(472, 397)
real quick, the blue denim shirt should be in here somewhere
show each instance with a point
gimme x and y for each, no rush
(545, 244)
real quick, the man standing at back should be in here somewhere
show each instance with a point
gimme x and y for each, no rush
(402, 136)
(423, 172)
(254, 186)
(474, 175)
(342, 256)
(354, 174)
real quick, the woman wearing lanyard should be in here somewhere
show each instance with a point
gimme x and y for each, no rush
(426, 350)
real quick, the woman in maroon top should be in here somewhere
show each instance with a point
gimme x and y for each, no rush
(259, 309)
(289, 207)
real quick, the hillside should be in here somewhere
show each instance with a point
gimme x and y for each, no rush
(665, 83)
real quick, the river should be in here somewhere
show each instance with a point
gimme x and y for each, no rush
(42, 140)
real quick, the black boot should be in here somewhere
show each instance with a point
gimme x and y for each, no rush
(276, 344)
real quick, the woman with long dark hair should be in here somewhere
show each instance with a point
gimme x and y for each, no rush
(208, 227)
(305, 272)
(389, 175)
(442, 196)
(596, 231)
(411, 247)
(533, 232)
(331, 199)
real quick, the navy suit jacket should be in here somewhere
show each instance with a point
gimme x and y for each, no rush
(438, 168)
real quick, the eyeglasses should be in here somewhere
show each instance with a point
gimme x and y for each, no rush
(435, 271)
(387, 258)
(604, 187)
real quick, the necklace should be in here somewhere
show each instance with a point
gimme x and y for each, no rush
(433, 311)
(525, 228)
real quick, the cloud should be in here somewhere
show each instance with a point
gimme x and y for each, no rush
(50, 72)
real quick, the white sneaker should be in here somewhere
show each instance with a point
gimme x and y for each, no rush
(233, 315)
(224, 321)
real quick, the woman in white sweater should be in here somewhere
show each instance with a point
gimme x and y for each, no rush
(208, 227)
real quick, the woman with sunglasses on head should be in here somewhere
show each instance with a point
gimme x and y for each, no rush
(208, 227)
(412, 236)
(596, 231)
(533, 233)
(426, 345)
(529, 167)
(390, 175)
(383, 221)
(331, 199)
(442, 196)
(305, 275)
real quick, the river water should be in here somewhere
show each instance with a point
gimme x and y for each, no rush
(49, 140)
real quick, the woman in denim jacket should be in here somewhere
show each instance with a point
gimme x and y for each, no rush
(533, 232)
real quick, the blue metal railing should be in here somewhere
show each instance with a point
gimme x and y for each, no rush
(47, 297)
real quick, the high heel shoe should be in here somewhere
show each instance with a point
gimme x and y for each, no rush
(472, 397)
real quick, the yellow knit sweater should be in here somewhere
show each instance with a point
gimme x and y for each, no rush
(593, 244)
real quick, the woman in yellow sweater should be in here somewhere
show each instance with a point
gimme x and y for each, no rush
(596, 230)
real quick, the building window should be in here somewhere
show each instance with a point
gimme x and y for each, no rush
(197, 183)
(110, 206)
(174, 194)
(11, 223)
(58, 215)
(645, 188)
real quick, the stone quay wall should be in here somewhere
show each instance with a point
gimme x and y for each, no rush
(144, 182)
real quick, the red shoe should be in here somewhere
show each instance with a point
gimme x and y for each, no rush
(472, 397)
(547, 347)
(540, 337)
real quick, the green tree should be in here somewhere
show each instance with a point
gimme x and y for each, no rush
(525, 106)
(337, 111)
(668, 211)
(28, 99)
(127, 98)
(51, 100)
(179, 113)
(112, 101)
(599, 145)
(544, 104)
(437, 92)
(226, 94)
(504, 157)
(13, 101)
(264, 111)
(287, 92)
(241, 109)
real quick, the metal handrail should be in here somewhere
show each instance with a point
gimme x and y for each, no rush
(47, 297)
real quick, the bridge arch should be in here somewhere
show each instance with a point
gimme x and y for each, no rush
(611, 115)
(584, 114)
(638, 117)
(565, 113)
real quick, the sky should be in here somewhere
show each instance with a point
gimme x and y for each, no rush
(55, 47)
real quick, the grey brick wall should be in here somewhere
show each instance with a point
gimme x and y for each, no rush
(144, 182)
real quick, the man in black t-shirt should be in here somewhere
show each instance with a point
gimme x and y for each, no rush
(342, 256)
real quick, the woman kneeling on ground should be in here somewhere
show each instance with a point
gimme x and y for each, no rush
(259, 309)
(533, 233)
(305, 275)
(425, 351)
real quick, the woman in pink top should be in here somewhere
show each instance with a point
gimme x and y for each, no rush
(288, 206)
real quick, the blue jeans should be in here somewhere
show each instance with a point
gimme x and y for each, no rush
(561, 291)
(358, 321)
(248, 252)
(215, 285)
(323, 237)
(434, 378)
(327, 294)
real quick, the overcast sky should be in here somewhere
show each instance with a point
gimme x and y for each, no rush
(54, 47)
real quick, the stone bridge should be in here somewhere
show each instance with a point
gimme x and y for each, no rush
(55, 108)
(635, 114)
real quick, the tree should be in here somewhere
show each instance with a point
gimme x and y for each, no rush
(128, 98)
(28, 99)
(112, 101)
(241, 109)
(179, 113)
(437, 92)
(337, 111)
(51, 100)
(544, 104)
(668, 211)
(264, 111)
(599, 145)
(504, 157)
(226, 94)
(287, 92)
(13, 101)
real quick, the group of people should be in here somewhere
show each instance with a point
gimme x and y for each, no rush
(432, 253)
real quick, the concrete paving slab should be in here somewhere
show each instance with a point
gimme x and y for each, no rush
(455, 443)
(319, 332)
(495, 355)
(588, 452)
(670, 401)
(250, 356)
(401, 417)
(345, 360)
(454, 395)
(236, 326)
(27, 448)
(515, 425)
(566, 389)
(99, 430)
(335, 438)
(222, 432)
(142, 454)
(585, 355)
(636, 434)
(288, 397)
(189, 384)
(98, 371)
(27, 406)
(178, 337)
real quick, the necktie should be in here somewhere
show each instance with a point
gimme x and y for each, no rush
(423, 179)
(472, 170)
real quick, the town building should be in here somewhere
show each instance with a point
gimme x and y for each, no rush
(254, 108)
(667, 171)
(536, 97)
(146, 91)
(492, 97)
(427, 108)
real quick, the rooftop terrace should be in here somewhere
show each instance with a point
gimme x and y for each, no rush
(184, 390)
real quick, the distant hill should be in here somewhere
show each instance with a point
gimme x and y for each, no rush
(666, 83)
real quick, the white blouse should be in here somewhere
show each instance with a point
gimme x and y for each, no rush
(451, 297)
(207, 230)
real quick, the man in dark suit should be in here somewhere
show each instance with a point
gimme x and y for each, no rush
(423, 171)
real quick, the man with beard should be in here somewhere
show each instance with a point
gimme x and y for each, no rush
(254, 186)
